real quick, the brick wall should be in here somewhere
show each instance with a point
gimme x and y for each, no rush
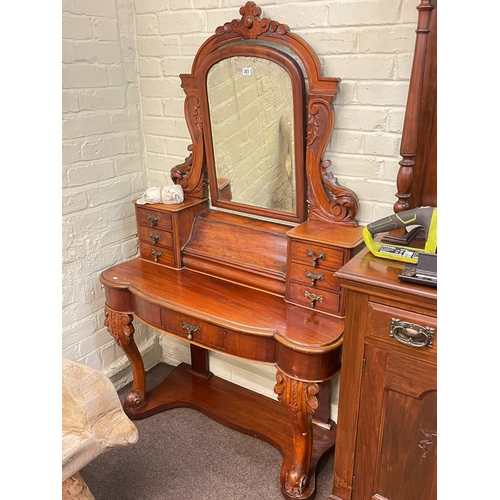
(103, 169)
(124, 129)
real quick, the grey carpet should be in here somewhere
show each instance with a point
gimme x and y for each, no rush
(184, 455)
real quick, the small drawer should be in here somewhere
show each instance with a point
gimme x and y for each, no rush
(316, 299)
(156, 254)
(192, 329)
(155, 237)
(153, 218)
(413, 331)
(317, 256)
(321, 279)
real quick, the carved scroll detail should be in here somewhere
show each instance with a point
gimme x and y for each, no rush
(300, 399)
(345, 205)
(428, 441)
(312, 128)
(119, 326)
(251, 26)
(296, 395)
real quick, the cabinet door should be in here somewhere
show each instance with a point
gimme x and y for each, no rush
(396, 451)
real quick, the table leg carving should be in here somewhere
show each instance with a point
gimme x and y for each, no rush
(120, 327)
(300, 400)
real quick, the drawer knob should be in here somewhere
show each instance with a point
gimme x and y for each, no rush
(155, 237)
(411, 334)
(313, 297)
(314, 277)
(156, 254)
(315, 257)
(190, 329)
(153, 219)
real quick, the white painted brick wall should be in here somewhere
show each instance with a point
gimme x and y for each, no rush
(124, 129)
(103, 169)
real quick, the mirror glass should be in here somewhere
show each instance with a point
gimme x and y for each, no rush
(252, 127)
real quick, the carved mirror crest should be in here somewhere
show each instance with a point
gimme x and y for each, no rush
(260, 116)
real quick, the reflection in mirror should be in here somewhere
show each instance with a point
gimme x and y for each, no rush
(251, 116)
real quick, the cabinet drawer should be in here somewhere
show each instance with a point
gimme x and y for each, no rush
(155, 237)
(193, 329)
(413, 331)
(153, 218)
(317, 256)
(157, 254)
(323, 279)
(327, 301)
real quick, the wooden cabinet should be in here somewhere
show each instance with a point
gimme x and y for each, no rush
(163, 229)
(387, 429)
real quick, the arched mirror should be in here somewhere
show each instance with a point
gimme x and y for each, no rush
(260, 116)
(254, 132)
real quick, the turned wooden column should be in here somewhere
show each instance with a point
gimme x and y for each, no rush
(300, 400)
(120, 327)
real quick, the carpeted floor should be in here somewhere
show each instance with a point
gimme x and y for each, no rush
(184, 455)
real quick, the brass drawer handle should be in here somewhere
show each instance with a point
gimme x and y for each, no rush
(313, 297)
(190, 329)
(156, 254)
(412, 335)
(153, 219)
(155, 237)
(315, 257)
(314, 277)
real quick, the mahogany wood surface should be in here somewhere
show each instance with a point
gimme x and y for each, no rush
(387, 389)
(258, 315)
(239, 283)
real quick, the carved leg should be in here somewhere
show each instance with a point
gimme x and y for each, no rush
(120, 327)
(299, 399)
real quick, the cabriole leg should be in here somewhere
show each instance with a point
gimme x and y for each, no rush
(120, 327)
(300, 401)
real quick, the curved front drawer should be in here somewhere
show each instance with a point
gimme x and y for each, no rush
(261, 348)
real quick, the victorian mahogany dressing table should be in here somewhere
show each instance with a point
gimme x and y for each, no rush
(242, 270)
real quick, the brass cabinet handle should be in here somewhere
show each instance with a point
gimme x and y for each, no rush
(314, 277)
(313, 297)
(315, 257)
(153, 219)
(190, 329)
(411, 334)
(155, 237)
(156, 254)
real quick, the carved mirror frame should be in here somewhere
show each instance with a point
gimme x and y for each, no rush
(326, 200)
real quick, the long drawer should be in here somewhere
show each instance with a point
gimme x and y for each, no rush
(261, 348)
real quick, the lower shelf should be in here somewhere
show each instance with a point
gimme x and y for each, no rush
(237, 408)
